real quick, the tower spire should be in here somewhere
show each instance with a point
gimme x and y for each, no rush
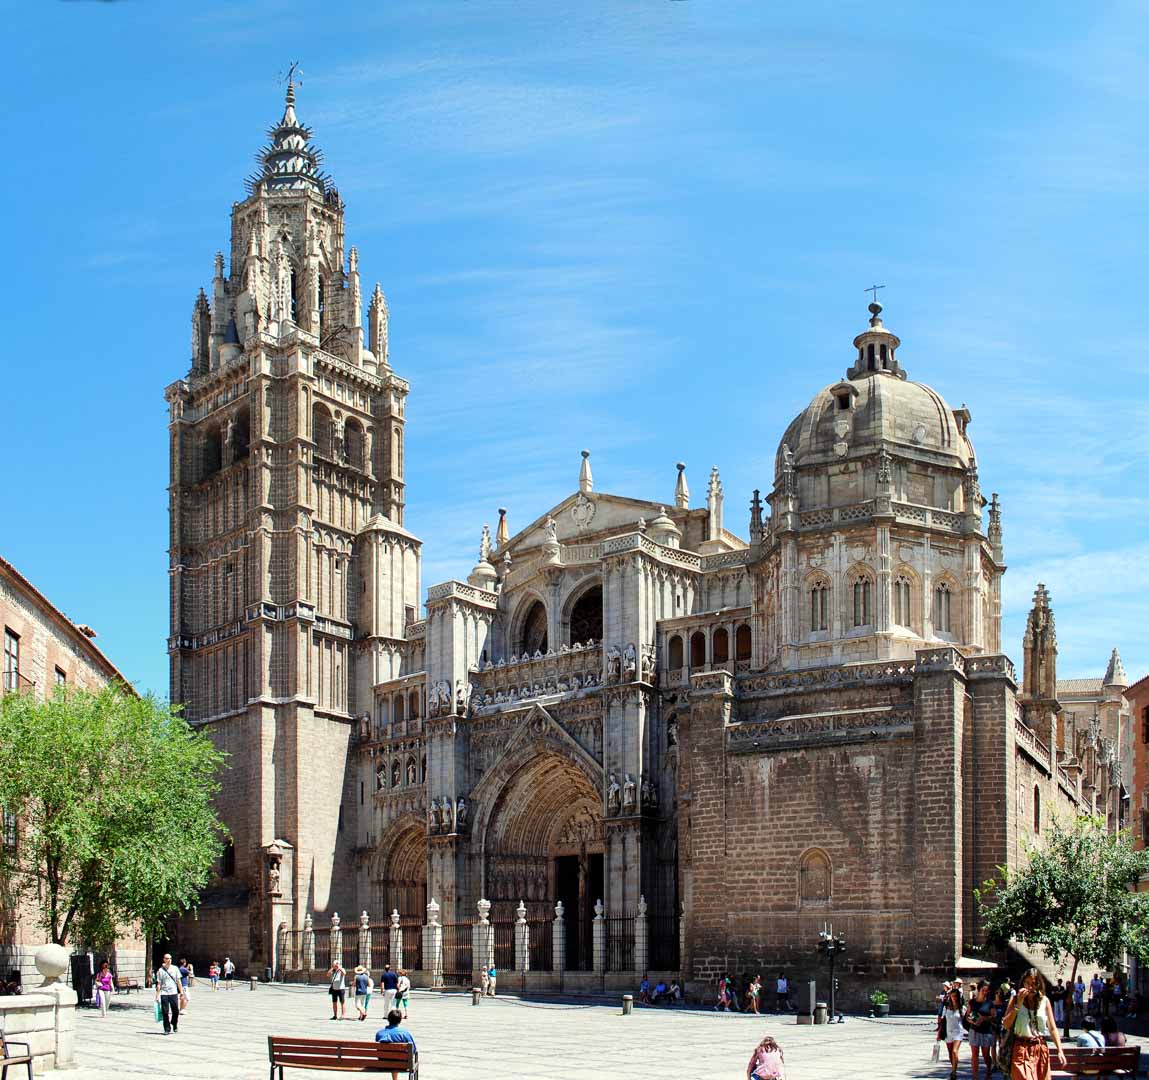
(585, 479)
(289, 161)
(681, 490)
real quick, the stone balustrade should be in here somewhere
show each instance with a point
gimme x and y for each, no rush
(567, 670)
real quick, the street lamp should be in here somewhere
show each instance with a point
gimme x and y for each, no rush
(831, 947)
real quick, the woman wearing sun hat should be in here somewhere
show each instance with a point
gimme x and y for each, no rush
(362, 990)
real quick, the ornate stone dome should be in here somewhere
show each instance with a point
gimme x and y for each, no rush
(875, 406)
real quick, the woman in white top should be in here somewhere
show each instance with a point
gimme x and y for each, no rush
(1030, 1018)
(955, 1032)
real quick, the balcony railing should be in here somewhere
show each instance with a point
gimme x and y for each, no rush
(570, 669)
(17, 683)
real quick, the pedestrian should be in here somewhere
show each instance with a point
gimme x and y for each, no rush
(766, 1063)
(185, 971)
(661, 992)
(954, 1032)
(228, 972)
(492, 980)
(1110, 1032)
(1096, 985)
(720, 1004)
(394, 1033)
(644, 991)
(1078, 1000)
(389, 981)
(105, 988)
(782, 993)
(1107, 996)
(362, 991)
(1057, 996)
(403, 992)
(168, 987)
(980, 1021)
(338, 990)
(731, 995)
(754, 993)
(213, 974)
(1030, 1018)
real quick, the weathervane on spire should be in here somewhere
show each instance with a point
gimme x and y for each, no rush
(874, 289)
(289, 77)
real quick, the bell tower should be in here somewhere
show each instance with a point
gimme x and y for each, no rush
(286, 465)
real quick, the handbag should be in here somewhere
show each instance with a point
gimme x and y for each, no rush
(159, 1013)
(1005, 1051)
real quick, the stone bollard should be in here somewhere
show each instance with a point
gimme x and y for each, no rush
(476, 995)
(627, 1004)
(820, 1011)
(253, 980)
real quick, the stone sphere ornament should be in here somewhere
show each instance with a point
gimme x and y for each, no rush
(51, 962)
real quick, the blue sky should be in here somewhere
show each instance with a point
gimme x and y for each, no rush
(642, 228)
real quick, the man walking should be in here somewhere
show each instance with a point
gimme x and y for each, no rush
(167, 983)
(782, 993)
(228, 972)
(390, 984)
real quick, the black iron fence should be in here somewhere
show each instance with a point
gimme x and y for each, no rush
(413, 947)
(542, 944)
(457, 969)
(662, 942)
(619, 942)
(504, 960)
(380, 946)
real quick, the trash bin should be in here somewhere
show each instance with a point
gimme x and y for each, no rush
(267, 974)
(627, 1004)
(821, 1009)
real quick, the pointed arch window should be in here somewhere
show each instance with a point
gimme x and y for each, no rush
(942, 608)
(902, 600)
(819, 606)
(863, 601)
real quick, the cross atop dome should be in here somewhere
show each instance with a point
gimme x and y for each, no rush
(289, 161)
(876, 346)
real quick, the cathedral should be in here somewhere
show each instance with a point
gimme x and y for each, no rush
(627, 709)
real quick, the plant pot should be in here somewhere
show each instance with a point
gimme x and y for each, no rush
(882, 1010)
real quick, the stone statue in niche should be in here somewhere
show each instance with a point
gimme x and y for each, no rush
(613, 797)
(550, 530)
(648, 664)
(629, 794)
(273, 879)
(461, 813)
(433, 819)
(672, 733)
(630, 663)
(380, 776)
(411, 774)
(613, 664)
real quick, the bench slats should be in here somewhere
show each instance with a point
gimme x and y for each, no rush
(335, 1055)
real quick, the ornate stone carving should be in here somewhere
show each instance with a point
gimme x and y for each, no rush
(629, 794)
(613, 796)
(629, 663)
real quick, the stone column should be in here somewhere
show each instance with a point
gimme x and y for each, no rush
(365, 940)
(641, 941)
(433, 944)
(308, 943)
(522, 939)
(336, 939)
(396, 941)
(559, 940)
(599, 938)
(482, 941)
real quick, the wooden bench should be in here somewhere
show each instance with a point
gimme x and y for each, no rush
(123, 985)
(337, 1055)
(9, 1059)
(1098, 1061)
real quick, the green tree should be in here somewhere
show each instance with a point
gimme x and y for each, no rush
(112, 799)
(1074, 899)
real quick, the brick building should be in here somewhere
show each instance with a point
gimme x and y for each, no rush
(736, 740)
(43, 650)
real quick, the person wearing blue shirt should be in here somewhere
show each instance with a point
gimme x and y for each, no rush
(394, 1033)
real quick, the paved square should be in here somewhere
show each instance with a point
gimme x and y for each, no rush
(224, 1037)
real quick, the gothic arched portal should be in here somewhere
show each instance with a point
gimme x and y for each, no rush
(543, 842)
(400, 879)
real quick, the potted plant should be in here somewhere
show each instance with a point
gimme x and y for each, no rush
(881, 1002)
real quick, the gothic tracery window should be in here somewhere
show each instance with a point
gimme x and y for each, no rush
(815, 877)
(863, 595)
(819, 606)
(902, 600)
(942, 612)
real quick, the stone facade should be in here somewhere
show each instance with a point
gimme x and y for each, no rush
(44, 649)
(727, 742)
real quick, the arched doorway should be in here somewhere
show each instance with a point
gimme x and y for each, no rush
(586, 617)
(401, 876)
(532, 638)
(543, 842)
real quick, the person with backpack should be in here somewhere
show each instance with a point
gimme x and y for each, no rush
(363, 988)
(403, 993)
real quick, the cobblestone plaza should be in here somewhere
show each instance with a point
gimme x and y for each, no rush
(224, 1035)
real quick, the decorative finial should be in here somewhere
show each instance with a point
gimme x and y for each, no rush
(502, 534)
(585, 479)
(681, 491)
(874, 290)
(291, 77)
(485, 544)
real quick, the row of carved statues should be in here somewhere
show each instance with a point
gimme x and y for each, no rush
(623, 798)
(628, 664)
(539, 655)
(447, 816)
(526, 692)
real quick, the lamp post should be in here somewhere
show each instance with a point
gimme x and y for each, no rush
(831, 947)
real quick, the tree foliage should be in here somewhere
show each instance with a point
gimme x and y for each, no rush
(1074, 899)
(112, 797)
